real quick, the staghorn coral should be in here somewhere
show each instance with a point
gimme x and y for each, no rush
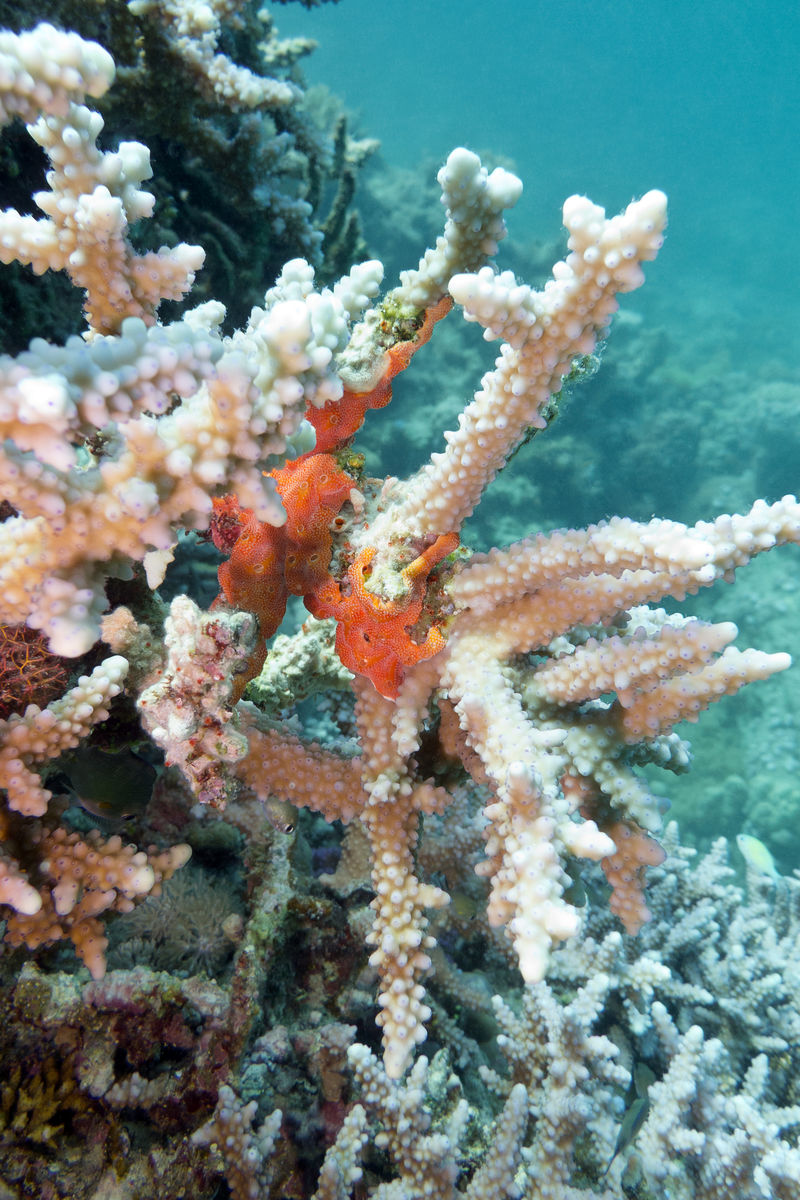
(544, 666)
(57, 883)
(707, 997)
(549, 746)
(257, 186)
(244, 1150)
(193, 31)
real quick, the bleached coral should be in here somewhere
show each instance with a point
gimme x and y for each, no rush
(551, 758)
(47, 69)
(194, 28)
(245, 1149)
(426, 1159)
(55, 882)
(719, 1114)
(543, 332)
(80, 521)
(92, 196)
(101, 464)
(706, 1136)
(38, 735)
(537, 636)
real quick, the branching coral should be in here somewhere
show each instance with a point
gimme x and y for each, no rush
(257, 185)
(125, 493)
(543, 668)
(194, 31)
(550, 747)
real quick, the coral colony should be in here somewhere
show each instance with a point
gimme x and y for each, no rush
(542, 673)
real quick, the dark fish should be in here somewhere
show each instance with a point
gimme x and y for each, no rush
(109, 784)
(582, 890)
(636, 1113)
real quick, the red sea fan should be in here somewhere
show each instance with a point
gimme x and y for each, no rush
(29, 673)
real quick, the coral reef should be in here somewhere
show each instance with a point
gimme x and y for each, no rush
(488, 767)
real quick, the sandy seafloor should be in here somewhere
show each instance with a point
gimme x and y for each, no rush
(697, 407)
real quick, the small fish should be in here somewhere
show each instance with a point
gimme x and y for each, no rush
(642, 1078)
(757, 856)
(463, 907)
(109, 784)
(637, 1111)
(280, 814)
(575, 891)
(582, 890)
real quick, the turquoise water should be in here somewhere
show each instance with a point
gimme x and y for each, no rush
(701, 100)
